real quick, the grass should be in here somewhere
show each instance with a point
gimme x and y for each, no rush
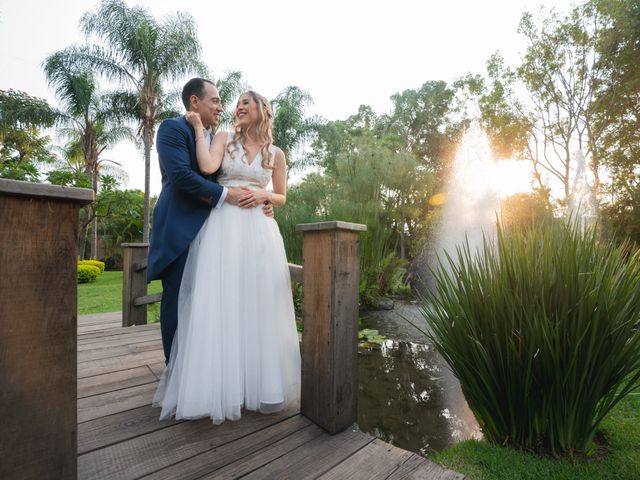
(621, 461)
(105, 295)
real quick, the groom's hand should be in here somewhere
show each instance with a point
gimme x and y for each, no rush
(234, 194)
(267, 209)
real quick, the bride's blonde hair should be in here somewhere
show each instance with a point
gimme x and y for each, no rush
(263, 127)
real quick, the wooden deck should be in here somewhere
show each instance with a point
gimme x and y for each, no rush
(120, 436)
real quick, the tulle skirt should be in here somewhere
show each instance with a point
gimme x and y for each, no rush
(236, 345)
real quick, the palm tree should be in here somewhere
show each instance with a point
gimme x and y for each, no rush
(142, 53)
(230, 87)
(90, 124)
(291, 128)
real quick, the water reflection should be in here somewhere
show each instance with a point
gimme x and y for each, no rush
(409, 397)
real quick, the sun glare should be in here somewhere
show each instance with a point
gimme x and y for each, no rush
(508, 177)
(476, 176)
(477, 184)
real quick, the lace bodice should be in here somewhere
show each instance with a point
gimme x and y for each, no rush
(235, 172)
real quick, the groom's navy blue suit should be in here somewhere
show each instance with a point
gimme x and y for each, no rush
(185, 202)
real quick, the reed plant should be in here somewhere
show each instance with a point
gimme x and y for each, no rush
(541, 327)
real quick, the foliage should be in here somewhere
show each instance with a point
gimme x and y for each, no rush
(87, 273)
(306, 203)
(368, 337)
(291, 128)
(616, 119)
(541, 329)
(621, 219)
(21, 110)
(120, 220)
(22, 147)
(523, 210)
(423, 120)
(95, 263)
(621, 429)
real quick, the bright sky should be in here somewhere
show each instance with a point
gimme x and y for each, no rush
(345, 53)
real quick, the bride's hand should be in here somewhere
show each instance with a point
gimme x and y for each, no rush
(194, 119)
(254, 198)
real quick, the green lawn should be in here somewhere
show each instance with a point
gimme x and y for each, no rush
(482, 461)
(105, 295)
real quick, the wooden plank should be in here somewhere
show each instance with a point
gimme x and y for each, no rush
(331, 225)
(77, 196)
(134, 283)
(247, 464)
(98, 318)
(116, 341)
(109, 403)
(97, 328)
(116, 351)
(117, 332)
(147, 299)
(419, 468)
(151, 452)
(294, 430)
(105, 317)
(110, 382)
(313, 458)
(38, 301)
(107, 365)
(157, 368)
(295, 272)
(119, 427)
(377, 460)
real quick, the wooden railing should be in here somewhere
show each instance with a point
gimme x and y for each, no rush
(330, 274)
(38, 323)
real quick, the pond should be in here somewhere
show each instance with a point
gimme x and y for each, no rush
(407, 393)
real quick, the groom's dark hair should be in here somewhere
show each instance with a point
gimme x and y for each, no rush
(195, 86)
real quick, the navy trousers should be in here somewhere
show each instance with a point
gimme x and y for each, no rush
(171, 278)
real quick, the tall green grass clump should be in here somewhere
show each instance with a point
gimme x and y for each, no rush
(541, 327)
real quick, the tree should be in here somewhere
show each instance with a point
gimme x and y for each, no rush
(617, 112)
(560, 70)
(423, 120)
(22, 147)
(138, 51)
(291, 128)
(230, 87)
(90, 124)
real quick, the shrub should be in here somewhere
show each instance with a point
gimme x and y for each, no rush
(88, 273)
(95, 263)
(542, 329)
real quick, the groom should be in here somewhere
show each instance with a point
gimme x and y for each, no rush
(186, 198)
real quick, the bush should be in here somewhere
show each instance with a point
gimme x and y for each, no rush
(88, 273)
(542, 330)
(95, 263)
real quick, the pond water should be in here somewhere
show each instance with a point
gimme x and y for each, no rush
(407, 393)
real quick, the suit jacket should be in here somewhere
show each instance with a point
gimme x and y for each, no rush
(186, 197)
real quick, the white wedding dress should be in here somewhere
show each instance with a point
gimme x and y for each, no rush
(236, 345)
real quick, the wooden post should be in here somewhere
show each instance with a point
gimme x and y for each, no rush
(38, 329)
(134, 283)
(331, 278)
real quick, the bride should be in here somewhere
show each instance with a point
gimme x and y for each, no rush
(236, 345)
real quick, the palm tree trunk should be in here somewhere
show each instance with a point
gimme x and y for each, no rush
(94, 237)
(94, 221)
(147, 139)
(82, 237)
